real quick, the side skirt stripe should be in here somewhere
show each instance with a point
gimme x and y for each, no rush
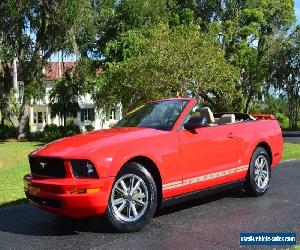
(202, 178)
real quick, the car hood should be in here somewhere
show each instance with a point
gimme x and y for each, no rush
(84, 144)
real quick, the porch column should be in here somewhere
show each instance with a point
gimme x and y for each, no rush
(31, 115)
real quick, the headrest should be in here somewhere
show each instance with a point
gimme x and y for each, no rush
(206, 112)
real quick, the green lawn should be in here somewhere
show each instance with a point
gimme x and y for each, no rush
(295, 248)
(14, 165)
(291, 151)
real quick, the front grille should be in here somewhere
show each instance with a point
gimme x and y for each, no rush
(44, 202)
(50, 167)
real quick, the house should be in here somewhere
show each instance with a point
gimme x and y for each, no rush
(40, 112)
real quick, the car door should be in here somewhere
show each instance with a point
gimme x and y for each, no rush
(208, 156)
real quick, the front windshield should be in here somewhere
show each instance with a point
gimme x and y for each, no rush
(158, 115)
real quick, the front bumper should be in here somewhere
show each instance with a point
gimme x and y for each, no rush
(57, 195)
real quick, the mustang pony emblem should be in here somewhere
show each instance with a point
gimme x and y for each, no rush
(43, 164)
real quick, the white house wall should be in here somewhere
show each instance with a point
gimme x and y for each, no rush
(101, 120)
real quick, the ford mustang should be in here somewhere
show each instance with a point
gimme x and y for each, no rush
(162, 153)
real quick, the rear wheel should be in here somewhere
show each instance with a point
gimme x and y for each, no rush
(133, 199)
(259, 173)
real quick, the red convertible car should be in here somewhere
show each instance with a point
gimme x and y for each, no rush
(162, 153)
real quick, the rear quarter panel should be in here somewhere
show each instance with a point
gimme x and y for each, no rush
(251, 134)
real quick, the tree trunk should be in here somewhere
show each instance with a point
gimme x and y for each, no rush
(248, 102)
(14, 120)
(23, 131)
(247, 107)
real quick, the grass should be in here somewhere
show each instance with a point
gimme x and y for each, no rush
(295, 248)
(14, 165)
(291, 151)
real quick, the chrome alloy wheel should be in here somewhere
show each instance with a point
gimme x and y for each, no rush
(261, 172)
(129, 198)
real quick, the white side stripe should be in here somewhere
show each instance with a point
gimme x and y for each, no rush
(207, 177)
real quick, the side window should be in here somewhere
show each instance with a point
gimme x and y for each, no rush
(195, 111)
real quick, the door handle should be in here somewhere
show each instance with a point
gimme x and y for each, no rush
(230, 135)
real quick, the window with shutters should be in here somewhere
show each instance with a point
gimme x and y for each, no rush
(112, 115)
(88, 114)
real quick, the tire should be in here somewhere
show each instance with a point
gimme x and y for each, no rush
(131, 207)
(259, 175)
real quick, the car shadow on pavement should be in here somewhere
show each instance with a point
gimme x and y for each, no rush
(201, 201)
(28, 220)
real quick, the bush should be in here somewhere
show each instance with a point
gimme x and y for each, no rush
(51, 132)
(7, 132)
(89, 127)
(283, 120)
(36, 136)
(70, 129)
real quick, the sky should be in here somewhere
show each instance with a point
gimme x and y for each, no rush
(297, 10)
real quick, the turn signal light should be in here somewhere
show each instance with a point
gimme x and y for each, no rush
(84, 191)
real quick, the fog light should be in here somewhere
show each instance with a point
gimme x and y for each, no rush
(77, 191)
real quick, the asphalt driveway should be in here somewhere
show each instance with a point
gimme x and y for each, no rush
(213, 223)
(292, 137)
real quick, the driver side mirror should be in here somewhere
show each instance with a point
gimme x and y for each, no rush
(195, 122)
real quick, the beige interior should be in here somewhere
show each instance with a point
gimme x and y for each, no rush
(206, 112)
(226, 118)
(211, 120)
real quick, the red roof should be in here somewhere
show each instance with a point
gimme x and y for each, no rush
(55, 70)
(51, 72)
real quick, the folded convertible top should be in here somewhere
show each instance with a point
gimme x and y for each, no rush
(263, 116)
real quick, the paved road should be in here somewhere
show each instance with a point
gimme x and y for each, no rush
(292, 137)
(213, 223)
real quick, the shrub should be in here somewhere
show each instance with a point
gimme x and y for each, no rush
(70, 122)
(37, 136)
(70, 129)
(7, 132)
(89, 127)
(51, 132)
(283, 120)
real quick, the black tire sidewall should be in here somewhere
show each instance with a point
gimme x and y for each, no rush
(122, 226)
(254, 189)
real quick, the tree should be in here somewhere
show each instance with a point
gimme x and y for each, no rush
(161, 62)
(64, 97)
(8, 101)
(116, 17)
(33, 30)
(285, 71)
(244, 30)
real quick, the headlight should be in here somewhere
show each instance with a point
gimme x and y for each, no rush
(83, 169)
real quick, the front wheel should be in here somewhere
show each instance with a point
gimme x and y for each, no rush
(133, 199)
(259, 173)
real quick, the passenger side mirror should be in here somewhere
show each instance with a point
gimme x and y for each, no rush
(195, 122)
